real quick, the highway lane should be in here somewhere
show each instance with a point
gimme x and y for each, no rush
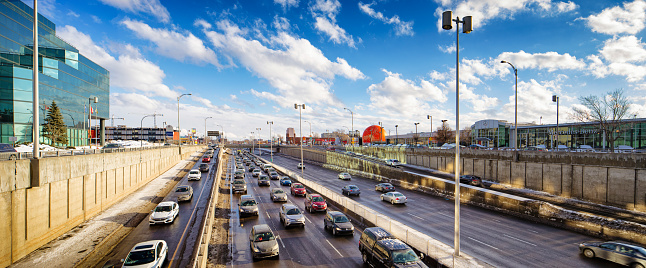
(498, 239)
(309, 246)
(181, 236)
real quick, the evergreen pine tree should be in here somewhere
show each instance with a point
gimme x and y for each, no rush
(54, 128)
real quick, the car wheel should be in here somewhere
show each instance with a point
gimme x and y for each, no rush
(382, 198)
(588, 253)
(392, 202)
(364, 257)
(310, 209)
(638, 265)
(476, 183)
(334, 231)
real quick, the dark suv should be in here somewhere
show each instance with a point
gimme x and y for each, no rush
(338, 223)
(381, 249)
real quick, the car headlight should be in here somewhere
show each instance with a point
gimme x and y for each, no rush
(275, 247)
(255, 249)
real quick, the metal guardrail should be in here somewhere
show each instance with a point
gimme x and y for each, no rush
(72, 152)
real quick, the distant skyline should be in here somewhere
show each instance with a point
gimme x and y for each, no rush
(246, 63)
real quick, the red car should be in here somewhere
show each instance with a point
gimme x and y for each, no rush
(315, 202)
(206, 159)
(298, 189)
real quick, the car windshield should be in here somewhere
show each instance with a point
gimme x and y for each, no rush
(340, 219)
(140, 257)
(317, 199)
(279, 192)
(249, 203)
(181, 189)
(256, 170)
(404, 256)
(263, 237)
(293, 211)
(263, 177)
(163, 209)
(298, 186)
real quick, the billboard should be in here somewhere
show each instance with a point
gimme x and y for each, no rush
(212, 133)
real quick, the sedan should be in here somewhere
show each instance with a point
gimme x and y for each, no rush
(194, 174)
(285, 181)
(273, 175)
(147, 254)
(471, 180)
(394, 198)
(251, 168)
(204, 167)
(184, 193)
(165, 212)
(345, 176)
(263, 180)
(350, 189)
(619, 252)
(278, 194)
(384, 187)
(338, 223)
(263, 242)
(255, 172)
(206, 159)
(300, 166)
(291, 215)
(298, 189)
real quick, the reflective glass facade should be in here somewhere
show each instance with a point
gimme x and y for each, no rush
(65, 76)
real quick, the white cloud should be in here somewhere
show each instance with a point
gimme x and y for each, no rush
(437, 76)
(563, 7)
(478, 103)
(287, 3)
(202, 23)
(551, 61)
(397, 96)
(179, 46)
(281, 23)
(616, 20)
(401, 27)
(129, 71)
(447, 49)
(324, 13)
(151, 7)
(624, 56)
(534, 98)
(73, 14)
(298, 70)
(96, 19)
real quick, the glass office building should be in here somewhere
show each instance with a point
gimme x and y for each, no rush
(65, 76)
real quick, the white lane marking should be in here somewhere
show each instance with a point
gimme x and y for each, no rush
(482, 243)
(268, 215)
(308, 220)
(519, 240)
(416, 216)
(495, 220)
(281, 240)
(537, 233)
(337, 251)
(444, 214)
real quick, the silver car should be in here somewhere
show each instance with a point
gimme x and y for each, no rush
(278, 194)
(623, 253)
(394, 198)
(184, 193)
(248, 205)
(291, 215)
(345, 176)
(263, 242)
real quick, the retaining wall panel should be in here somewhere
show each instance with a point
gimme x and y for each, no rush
(5, 228)
(37, 211)
(552, 178)
(621, 187)
(58, 206)
(518, 174)
(534, 176)
(503, 172)
(640, 190)
(596, 183)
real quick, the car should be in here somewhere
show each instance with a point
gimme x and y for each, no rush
(184, 193)
(298, 189)
(239, 185)
(263, 242)
(239, 174)
(338, 223)
(247, 205)
(114, 146)
(291, 215)
(8, 152)
(251, 168)
(345, 176)
(391, 253)
(270, 170)
(330, 149)
(266, 166)
(471, 180)
(277, 194)
(623, 253)
(194, 174)
(394, 198)
(204, 167)
(255, 172)
(165, 212)
(300, 166)
(151, 254)
(273, 175)
(206, 159)
(314, 202)
(350, 189)
(263, 180)
(370, 236)
(384, 187)
(393, 163)
(285, 181)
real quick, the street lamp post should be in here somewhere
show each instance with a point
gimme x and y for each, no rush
(271, 142)
(221, 134)
(179, 128)
(300, 108)
(556, 99)
(35, 128)
(352, 132)
(515, 105)
(141, 130)
(430, 135)
(205, 128)
(310, 139)
(396, 135)
(447, 24)
(259, 151)
(416, 136)
(252, 143)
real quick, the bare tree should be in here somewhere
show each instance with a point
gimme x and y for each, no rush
(444, 134)
(465, 136)
(607, 111)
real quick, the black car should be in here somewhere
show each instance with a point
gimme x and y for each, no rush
(263, 180)
(6, 150)
(471, 180)
(623, 253)
(338, 223)
(204, 167)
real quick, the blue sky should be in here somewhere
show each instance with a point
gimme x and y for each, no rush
(249, 62)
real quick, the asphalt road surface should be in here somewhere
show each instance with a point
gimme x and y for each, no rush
(181, 235)
(498, 239)
(310, 246)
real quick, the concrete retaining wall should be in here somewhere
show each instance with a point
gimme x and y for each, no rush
(38, 206)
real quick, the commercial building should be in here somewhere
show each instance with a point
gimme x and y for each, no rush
(64, 76)
(150, 134)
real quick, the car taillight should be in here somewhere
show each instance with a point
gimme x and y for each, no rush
(397, 198)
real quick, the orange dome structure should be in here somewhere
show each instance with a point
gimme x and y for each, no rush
(374, 134)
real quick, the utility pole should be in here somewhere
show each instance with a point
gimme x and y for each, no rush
(271, 141)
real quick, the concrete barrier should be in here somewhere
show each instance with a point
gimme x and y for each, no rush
(40, 204)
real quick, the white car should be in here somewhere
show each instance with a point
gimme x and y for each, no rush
(194, 174)
(345, 176)
(300, 165)
(149, 254)
(394, 198)
(393, 162)
(165, 212)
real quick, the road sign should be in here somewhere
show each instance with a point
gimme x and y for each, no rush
(212, 133)
(13, 138)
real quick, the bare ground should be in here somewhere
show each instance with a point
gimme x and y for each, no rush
(219, 254)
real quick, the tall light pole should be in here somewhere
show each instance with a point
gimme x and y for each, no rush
(205, 128)
(556, 99)
(447, 24)
(300, 108)
(310, 139)
(396, 135)
(221, 134)
(259, 151)
(515, 105)
(252, 143)
(35, 124)
(89, 101)
(416, 136)
(352, 132)
(430, 135)
(271, 142)
(179, 128)
(141, 129)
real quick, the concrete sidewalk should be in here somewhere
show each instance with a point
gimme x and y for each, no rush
(85, 244)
